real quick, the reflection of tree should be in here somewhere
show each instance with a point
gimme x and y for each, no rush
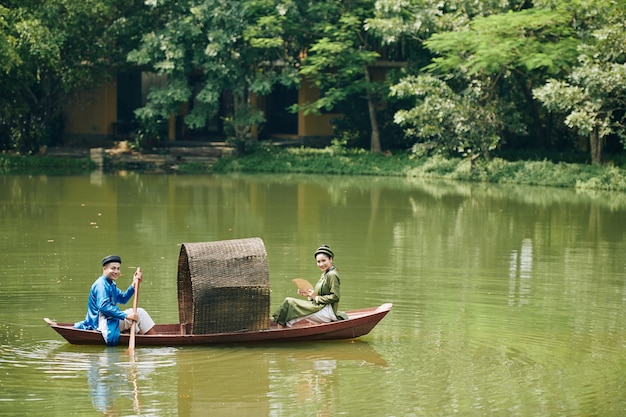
(520, 273)
(222, 382)
(316, 386)
(457, 260)
(310, 375)
(267, 380)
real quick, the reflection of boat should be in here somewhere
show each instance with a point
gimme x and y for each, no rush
(358, 350)
(359, 323)
(257, 380)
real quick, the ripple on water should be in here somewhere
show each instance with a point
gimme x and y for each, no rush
(487, 347)
(96, 377)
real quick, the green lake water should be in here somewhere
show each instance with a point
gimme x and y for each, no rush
(508, 301)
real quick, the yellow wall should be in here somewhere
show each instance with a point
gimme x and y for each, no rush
(310, 124)
(91, 114)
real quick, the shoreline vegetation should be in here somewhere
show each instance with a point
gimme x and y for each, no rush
(549, 172)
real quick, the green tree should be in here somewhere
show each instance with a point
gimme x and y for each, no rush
(492, 53)
(397, 20)
(593, 96)
(54, 51)
(9, 55)
(207, 48)
(512, 51)
(339, 58)
(445, 122)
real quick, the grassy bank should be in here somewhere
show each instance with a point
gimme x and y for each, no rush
(341, 162)
(497, 170)
(22, 164)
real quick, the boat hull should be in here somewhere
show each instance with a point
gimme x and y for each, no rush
(359, 323)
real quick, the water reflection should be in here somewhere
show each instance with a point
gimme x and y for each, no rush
(507, 300)
(267, 380)
(227, 381)
(110, 380)
(520, 273)
(107, 381)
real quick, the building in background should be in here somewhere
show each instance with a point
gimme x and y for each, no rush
(106, 114)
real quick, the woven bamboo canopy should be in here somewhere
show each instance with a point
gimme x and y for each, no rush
(223, 286)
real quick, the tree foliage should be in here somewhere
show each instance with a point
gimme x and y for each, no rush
(593, 95)
(10, 57)
(50, 53)
(508, 52)
(528, 42)
(445, 122)
(210, 47)
(455, 118)
(395, 20)
(338, 59)
(478, 74)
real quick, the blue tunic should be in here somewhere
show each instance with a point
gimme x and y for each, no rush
(103, 297)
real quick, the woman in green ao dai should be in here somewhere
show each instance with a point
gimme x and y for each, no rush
(321, 304)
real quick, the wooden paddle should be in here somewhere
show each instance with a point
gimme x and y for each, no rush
(133, 326)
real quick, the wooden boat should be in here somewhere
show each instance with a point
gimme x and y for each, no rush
(359, 323)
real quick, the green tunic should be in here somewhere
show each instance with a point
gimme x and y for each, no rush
(327, 289)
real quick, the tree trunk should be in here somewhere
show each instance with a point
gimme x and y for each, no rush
(240, 109)
(371, 106)
(526, 88)
(595, 143)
